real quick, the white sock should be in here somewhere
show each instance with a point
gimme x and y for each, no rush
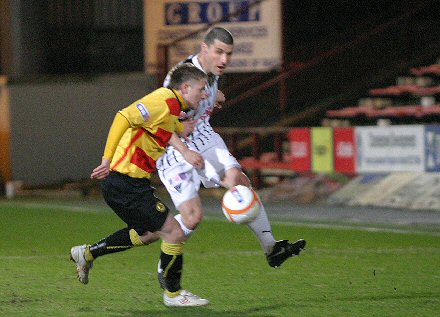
(263, 231)
(159, 269)
(185, 229)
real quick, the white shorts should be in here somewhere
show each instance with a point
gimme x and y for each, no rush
(182, 180)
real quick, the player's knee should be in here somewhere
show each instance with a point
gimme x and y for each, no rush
(188, 224)
(171, 231)
(193, 221)
(191, 214)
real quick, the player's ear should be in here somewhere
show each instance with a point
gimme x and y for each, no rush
(203, 47)
(184, 88)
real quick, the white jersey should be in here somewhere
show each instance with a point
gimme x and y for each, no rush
(203, 135)
(180, 178)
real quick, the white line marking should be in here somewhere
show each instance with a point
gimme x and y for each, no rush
(287, 222)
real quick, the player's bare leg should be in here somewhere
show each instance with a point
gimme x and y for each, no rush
(190, 216)
(170, 272)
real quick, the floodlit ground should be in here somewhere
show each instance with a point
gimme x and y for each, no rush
(351, 267)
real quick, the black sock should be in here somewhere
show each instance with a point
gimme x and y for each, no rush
(116, 242)
(171, 263)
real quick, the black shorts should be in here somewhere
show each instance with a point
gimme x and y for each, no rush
(133, 200)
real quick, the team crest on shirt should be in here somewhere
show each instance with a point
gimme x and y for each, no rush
(160, 207)
(144, 112)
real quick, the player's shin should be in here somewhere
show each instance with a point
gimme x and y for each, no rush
(171, 263)
(263, 230)
(121, 240)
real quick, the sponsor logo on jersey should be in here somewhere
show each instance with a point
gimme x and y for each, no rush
(144, 112)
(178, 188)
(183, 176)
(175, 180)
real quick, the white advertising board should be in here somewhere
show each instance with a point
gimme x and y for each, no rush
(257, 32)
(390, 149)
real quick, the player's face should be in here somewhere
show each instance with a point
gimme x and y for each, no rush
(217, 57)
(194, 93)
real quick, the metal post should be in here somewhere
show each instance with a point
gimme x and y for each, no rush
(256, 151)
(162, 64)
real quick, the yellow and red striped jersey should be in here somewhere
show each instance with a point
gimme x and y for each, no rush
(152, 120)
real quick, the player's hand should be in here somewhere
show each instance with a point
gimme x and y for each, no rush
(220, 100)
(189, 128)
(102, 170)
(194, 158)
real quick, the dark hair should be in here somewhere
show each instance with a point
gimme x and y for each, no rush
(185, 72)
(218, 33)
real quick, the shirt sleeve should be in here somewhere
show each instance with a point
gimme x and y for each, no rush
(179, 127)
(137, 114)
(119, 126)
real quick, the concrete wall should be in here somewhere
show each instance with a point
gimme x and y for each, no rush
(59, 127)
(408, 190)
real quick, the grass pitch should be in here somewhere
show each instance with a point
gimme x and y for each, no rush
(343, 272)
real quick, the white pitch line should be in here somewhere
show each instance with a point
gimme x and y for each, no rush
(319, 225)
(30, 205)
(33, 257)
(358, 228)
(288, 222)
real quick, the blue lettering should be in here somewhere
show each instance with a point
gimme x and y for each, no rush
(182, 13)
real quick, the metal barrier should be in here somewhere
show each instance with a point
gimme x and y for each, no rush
(253, 138)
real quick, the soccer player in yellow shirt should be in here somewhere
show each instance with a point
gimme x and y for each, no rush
(138, 136)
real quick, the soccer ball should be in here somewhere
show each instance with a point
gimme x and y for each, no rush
(240, 204)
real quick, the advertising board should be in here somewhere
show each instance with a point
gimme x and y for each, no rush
(390, 149)
(256, 31)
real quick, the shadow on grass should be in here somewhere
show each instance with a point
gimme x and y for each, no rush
(202, 312)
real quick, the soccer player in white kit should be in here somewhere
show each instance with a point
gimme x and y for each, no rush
(182, 180)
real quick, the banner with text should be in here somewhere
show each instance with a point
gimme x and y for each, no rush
(390, 149)
(256, 31)
(432, 148)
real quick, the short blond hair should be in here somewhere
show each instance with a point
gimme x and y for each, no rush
(185, 72)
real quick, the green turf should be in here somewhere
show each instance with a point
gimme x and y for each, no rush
(343, 272)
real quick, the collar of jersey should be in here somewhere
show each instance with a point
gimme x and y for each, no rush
(183, 104)
(211, 77)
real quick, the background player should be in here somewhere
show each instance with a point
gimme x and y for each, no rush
(183, 180)
(138, 136)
